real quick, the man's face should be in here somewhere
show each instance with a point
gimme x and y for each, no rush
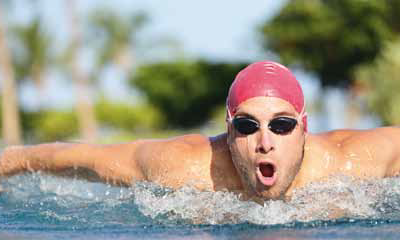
(267, 162)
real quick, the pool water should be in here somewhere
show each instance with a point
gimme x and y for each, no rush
(39, 206)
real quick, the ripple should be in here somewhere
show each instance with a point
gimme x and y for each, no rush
(37, 201)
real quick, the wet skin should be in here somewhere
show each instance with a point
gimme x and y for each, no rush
(282, 152)
(230, 161)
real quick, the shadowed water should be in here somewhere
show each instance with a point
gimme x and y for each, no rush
(46, 207)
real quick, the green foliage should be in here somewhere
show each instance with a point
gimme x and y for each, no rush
(381, 83)
(129, 118)
(186, 92)
(56, 125)
(114, 34)
(50, 125)
(331, 37)
(32, 50)
(1, 115)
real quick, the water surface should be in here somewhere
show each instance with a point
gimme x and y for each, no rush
(38, 206)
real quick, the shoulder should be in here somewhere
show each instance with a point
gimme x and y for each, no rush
(172, 161)
(321, 147)
(172, 147)
(386, 138)
(383, 135)
(371, 152)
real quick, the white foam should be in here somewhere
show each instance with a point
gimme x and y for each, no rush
(338, 197)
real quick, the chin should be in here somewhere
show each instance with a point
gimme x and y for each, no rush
(273, 193)
(256, 188)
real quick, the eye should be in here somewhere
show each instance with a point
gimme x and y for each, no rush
(245, 125)
(282, 125)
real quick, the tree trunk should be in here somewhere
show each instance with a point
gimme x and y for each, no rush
(84, 106)
(11, 123)
(37, 74)
(125, 59)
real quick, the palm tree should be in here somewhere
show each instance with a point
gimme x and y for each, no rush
(36, 57)
(117, 36)
(11, 122)
(84, 106)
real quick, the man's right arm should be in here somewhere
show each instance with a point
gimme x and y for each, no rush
(114, 163)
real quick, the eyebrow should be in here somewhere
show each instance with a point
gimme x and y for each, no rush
(239, 114)
(283, 113)
(277, 114)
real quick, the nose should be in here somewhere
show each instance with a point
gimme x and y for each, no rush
(265, 142)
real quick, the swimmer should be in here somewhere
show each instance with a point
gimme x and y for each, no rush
(265, 153)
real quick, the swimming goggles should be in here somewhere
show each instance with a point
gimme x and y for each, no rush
(279, 125)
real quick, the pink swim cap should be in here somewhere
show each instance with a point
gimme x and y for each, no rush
(268, 79)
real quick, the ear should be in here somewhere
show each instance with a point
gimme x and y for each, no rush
(228, 123)
(304, 120)
(230, 132)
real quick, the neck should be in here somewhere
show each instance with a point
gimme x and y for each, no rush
(223, 171)
(218, 143)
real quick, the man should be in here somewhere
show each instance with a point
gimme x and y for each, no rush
(265, 153)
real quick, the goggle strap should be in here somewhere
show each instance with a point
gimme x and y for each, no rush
(229, 119)
(302, 114)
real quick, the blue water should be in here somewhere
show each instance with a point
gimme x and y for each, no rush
(39, 206)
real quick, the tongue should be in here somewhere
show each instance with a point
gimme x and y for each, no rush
(267, 170)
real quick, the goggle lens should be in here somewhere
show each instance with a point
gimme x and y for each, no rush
(280, 125)
(245, 125)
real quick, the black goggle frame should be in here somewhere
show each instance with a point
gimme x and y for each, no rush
(278, 125)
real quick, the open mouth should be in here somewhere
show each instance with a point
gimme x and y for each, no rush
(266, 169)
(266, 173)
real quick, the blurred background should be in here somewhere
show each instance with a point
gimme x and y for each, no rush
(112, 71)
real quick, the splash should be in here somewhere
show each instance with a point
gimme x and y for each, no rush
(79, 204)
(338, 197)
